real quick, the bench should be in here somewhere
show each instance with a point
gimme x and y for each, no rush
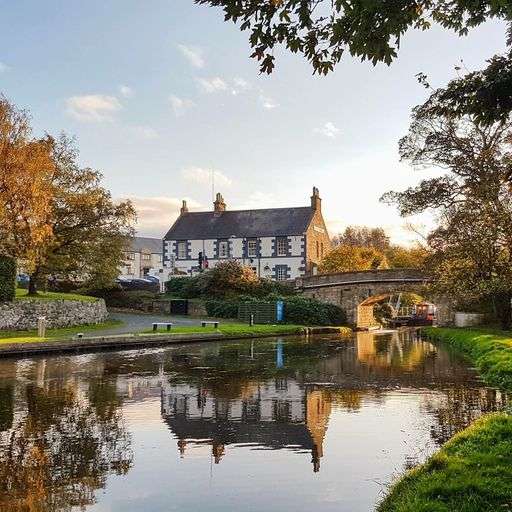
(168, 325)
(205, 323)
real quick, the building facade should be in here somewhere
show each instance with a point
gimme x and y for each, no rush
(278, 243)
(143, 257)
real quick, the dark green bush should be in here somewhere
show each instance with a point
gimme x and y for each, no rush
(185, 287)
(305, 311)
(116, 297)
(222, 308)
(298, 310)
(7, 279)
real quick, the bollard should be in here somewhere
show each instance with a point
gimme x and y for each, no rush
(251, 319)
(41, 326)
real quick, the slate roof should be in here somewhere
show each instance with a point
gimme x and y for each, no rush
(241, 223)
(140, 243)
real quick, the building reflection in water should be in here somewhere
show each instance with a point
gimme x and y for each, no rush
(210, 403)
(276, 414)
(62, 427)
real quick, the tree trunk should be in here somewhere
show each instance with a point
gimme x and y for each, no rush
(504, 310)
(32, 284)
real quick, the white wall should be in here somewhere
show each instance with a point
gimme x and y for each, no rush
(207, 247)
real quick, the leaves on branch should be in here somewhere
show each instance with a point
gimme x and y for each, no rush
(323, 30)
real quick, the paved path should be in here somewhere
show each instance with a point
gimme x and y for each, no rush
(133, 322)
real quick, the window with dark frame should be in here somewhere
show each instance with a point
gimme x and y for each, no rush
(182, 250)
(223, 249)
(282, 246)
(281, 273)
(252, 247)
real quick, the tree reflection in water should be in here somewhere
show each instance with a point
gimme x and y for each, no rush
(59, 449)
(62, 431)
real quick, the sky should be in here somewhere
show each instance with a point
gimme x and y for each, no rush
(162, 94)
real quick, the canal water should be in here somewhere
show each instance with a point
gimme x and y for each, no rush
(274, 425)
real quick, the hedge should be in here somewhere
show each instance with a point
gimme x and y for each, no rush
(7, 279)
(297, 310)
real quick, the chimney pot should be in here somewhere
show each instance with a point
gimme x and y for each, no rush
(219, 205)
(184, 207)
(316, 201)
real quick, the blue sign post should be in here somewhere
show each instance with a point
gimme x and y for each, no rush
(280, 311)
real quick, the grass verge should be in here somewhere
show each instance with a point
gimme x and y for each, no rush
(53, 334)
(234, 329)
(471, 473)
(489, 350)
(22, 294)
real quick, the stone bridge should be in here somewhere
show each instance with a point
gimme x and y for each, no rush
(357, 292)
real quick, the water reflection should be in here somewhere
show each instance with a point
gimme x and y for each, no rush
(374, 404)
(57, 446)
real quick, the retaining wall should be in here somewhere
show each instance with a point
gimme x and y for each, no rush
(23, 314)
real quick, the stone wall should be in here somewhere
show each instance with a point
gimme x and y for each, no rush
(348, 290)
(317, 233)
(23, 314)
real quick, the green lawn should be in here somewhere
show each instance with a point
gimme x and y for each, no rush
(53, 334)
(234, 329)
(488, 349)
(471, 473)
(22, 294)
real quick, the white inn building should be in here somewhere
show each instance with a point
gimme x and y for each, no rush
(278, 243)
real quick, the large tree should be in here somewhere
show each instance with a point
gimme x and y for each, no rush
(362, 236)
(324, 30)
(470, 195)
(349, 258)
(25, 194)
(90, 231)
(472, 255)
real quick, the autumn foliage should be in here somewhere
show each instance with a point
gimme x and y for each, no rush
(25, 197)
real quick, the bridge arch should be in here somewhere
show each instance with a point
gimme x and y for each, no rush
(350, 290)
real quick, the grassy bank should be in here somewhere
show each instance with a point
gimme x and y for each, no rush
(489, 350)
(471, 473)
(236, 329)
(53, 334)
(22, 294)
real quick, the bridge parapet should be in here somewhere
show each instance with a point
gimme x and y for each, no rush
(350, 289)
(395, 275)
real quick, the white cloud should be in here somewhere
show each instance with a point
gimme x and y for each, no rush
(92, 107)
(193, 54)
(4, 67)
(268, 103)
(240, 85)
(179, 105)
(210, 85)
(328, 130)
(126, 91)
(145, 132)
(155, 215)
(204, 176)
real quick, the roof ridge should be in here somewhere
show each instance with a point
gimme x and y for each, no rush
(255, 209)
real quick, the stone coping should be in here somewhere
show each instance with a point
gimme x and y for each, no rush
(132, 341)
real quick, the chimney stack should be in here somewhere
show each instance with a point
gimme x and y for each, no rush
(184, 207)
(219, 205)
(316, 202)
